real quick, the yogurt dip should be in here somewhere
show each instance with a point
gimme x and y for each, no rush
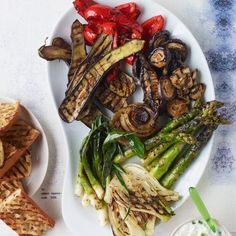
(198, 228)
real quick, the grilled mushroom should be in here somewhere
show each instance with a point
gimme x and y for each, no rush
(167, 89)
(197, 91)
(178, 49)
(183, 78)
(160, 57)
(177, 107)
(136, 118)
(123, 86)
(159, 39)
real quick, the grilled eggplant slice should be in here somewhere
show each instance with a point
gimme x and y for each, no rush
(72, 105)
(109, 99)
(178, 49)
(51, 53)
(61, 43)
(160, 57)
(136, 68)
(159, 39)
(150, 84)
(197, 91)
(123, 86)
(89, 114)
(177, 107)
(168, 91)
(78, 47)
(101, 46)
(136, 117)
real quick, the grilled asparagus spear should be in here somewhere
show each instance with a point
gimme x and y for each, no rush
(187, 157)
(172, 131)
(166, 160)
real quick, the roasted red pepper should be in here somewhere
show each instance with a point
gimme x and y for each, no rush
(130, 9)
(90, 35)
(97, 11)
(153, 25)
(119, 21)
(82, 5)
(113, 74)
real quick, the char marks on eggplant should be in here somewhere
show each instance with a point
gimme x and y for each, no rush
(150, 85)
(101, 46)
(72, 105)
(78, 48)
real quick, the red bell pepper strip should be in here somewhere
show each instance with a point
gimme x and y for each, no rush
(82, 5)
(152, 25)
(97, 11)
(113, 74)
(130, 9)
(90, 35)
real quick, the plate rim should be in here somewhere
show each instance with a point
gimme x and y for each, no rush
(67, 163)
(42, 134)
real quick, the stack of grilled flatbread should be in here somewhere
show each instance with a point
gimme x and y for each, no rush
(17, 209)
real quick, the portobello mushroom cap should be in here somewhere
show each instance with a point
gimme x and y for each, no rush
(177, 107)
(137, 118)
(177, 48)
(160, 57)
(158, 39)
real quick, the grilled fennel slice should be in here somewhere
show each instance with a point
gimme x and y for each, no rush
(134, 212)
(72, 105)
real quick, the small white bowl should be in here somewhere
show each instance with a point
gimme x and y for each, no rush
(188, 221)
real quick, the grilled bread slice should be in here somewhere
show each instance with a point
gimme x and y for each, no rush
(8, 186)
(17, 140)
(1, 153)
(21, 169)
(23, 215)
(11, 156)
(21, 135)
(8, 115)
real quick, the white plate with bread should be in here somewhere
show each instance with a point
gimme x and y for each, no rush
(23, 166)
(29, 164)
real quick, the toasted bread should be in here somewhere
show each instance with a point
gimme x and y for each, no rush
(8, 115)
(23, 215)
(1, 153)
(21, 169)
(11, 156)
(7, 187)
(16, 141)
(21, 135)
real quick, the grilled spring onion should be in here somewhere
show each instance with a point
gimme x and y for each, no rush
(72, 105)
(134, 213)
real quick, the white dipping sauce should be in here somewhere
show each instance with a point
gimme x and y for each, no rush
(198, 228)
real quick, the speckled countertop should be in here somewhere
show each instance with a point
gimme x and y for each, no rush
(23, 27)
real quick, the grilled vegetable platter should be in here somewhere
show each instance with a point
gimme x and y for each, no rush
(130, 82)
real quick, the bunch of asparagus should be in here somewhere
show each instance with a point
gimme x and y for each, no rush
(182, 137)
